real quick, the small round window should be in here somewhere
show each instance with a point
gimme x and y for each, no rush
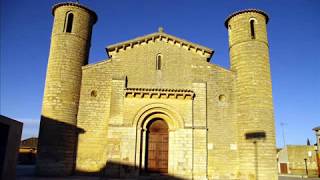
(222, 98)
(94, 93)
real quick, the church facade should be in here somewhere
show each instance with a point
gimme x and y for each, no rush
(157, 105)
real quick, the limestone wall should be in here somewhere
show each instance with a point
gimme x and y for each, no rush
(202, 119)
(93, 118)
(296, 162)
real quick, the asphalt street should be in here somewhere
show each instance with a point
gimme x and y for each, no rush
(27, 173)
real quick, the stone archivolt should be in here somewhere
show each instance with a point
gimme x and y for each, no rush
(159, 93)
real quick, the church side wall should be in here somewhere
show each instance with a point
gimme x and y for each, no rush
(222, 128)
(93, 117)
(200, 134)
(222, 146)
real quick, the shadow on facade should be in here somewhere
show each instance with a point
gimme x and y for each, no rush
(57, 140)
(57, 147)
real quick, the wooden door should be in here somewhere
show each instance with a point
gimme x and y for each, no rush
(283, 168)
(157, 147)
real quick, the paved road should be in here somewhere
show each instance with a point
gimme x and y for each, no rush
(27, 172)
(96, 178)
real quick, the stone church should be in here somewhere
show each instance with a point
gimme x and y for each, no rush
(156, 106)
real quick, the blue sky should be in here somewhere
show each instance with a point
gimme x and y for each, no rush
(293, 31)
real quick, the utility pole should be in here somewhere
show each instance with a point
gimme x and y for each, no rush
(318, 161)
(283, 135)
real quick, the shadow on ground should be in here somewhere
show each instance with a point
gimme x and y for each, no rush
(111, 171)
(57, 147)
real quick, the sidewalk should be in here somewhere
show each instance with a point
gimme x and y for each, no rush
(296, 177)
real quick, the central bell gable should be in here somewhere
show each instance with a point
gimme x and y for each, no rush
(159, 60)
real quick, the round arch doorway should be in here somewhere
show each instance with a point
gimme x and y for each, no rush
(157, 146)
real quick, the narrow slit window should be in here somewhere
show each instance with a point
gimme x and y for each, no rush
(229, 30)
(253, 35)
(69, 23)
(158, 62)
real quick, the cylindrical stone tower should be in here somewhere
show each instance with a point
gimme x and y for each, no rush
(249, 59)
(70, 44)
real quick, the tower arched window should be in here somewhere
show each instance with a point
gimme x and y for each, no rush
(252, 30)
(158, 62)
(69, 23)
(229, 29)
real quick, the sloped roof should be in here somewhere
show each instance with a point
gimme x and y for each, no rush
(316, 128)
(160, 35)
(76, 4)
(30, 142)
(246, 11)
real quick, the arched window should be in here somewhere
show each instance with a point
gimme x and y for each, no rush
(69, 23)
(253, 35)
(158, 62)
(229, 29)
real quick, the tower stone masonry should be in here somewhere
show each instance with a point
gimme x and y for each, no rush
(131, 115)
(249, 57)
(69, 50)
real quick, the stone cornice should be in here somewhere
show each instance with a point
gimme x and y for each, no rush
(246, 11)
(159, 93)
(316, 128)
(201, 50)
(95, 17)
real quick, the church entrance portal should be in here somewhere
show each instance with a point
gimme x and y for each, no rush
(157, 146)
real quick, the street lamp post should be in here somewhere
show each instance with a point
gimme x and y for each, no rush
(317, 132)
(306, 165)
(318, 160)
